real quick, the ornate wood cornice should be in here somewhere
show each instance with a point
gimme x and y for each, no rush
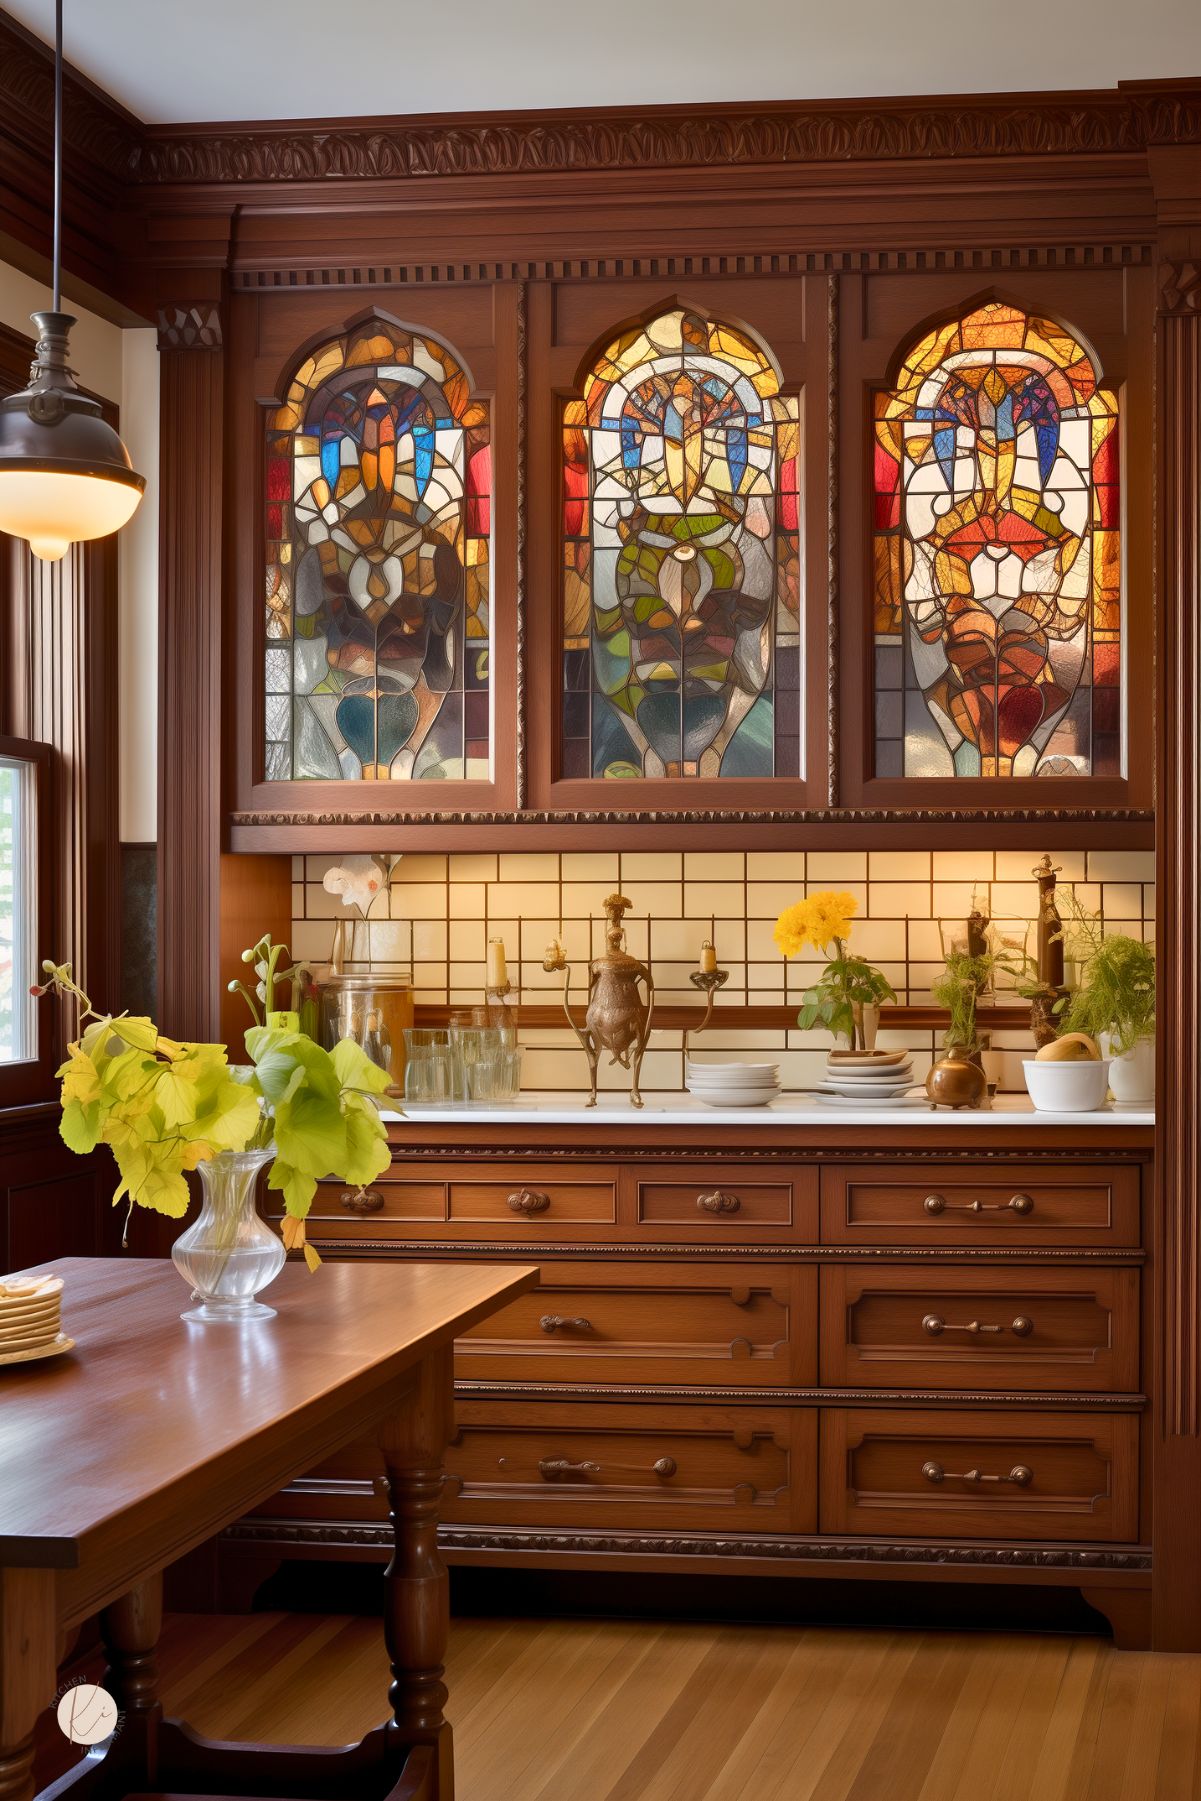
(101, 138)
(665, 137)
(1132, 1559)
(937, 259)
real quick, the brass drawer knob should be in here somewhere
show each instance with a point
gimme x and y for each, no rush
(935, 1325)
(362, 1200)
(562, 1322)
(1021, 1204)
(529, 1200)
(718, 1202)
(1021, 1475)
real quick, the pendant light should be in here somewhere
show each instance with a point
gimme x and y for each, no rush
(65, 475)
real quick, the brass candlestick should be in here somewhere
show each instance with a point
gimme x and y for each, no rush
(617, 1019)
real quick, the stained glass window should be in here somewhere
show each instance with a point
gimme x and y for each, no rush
(379, 489)
(681, 596)
(998, 610)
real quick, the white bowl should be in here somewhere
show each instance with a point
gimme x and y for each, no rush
(1067, 1087)
(734, 1097)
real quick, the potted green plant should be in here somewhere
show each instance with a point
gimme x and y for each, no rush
(957, 1078)
(165, 1107)
(847, 997)
(1114, 1002)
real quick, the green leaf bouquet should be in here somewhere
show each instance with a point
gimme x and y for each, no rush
(164, 1106)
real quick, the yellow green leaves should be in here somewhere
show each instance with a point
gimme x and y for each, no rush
(324, 1120)
(162, 1107)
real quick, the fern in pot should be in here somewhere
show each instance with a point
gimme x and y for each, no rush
(1114, 1003)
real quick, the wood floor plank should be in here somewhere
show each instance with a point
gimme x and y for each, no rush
(650, 1674)
(1178, 1765)
(611, 1710)
(1052, 1772)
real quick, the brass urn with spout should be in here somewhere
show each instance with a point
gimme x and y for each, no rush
(618, 1015)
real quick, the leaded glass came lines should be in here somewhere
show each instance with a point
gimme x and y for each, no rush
(998, 611)
(379, 489)
(681, 568)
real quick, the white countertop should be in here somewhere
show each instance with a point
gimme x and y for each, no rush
(564, 1109)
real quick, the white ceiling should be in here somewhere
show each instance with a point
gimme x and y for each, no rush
(170, 62)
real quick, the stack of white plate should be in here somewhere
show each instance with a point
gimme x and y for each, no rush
(868, 1078)
(30, 1323)
(734, 1084)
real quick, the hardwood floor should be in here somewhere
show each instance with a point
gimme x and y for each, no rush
(586, 1710)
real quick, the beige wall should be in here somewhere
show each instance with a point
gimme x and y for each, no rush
(123, 367)
(442, 910)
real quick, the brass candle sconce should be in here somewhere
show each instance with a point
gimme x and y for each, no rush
(708, 978)
(617, 1019)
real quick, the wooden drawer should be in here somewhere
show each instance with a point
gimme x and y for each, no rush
(1008, 1327)
(933, 1474)
(530, 1201)
(339, 1204)
(980, 1203)
(723, 1201)
(628, 1466)
(734, 1325)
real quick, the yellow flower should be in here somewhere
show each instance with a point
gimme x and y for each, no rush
(817, 921)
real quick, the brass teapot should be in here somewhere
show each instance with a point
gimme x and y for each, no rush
(617, 1019)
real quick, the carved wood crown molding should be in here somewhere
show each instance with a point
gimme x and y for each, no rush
(105, 138)
(668, 137)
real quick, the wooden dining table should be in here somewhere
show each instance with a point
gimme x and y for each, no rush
(154, 1434)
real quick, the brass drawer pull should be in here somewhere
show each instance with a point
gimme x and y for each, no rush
(529, 1200)
(1021, 1204)
(718, 1202)
(555, 1322)
(551, 1468)
(934, 1324)
(1020, 1475)
(362, 1200)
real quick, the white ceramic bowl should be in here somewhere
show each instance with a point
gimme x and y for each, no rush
(1067, 1087)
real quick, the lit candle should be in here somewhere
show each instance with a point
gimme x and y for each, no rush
(708, 958)
(498, 973)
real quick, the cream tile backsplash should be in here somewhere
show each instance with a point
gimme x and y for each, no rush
(453, 904)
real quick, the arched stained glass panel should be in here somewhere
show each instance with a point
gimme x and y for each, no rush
(998, 609)
(681, 597)
(379, 490)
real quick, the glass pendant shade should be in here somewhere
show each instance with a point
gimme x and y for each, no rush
(65, 475)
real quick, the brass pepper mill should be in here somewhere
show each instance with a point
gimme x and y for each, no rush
(617, 1019)
(1049, 957)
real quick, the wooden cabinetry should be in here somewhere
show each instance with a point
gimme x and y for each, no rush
(920, 1356)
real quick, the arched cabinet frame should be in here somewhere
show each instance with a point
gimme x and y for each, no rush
(570, 325)
(270, 337)
(884, 315)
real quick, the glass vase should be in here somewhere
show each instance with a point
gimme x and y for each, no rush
(229, 1254)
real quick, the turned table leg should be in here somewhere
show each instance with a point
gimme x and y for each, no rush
(130, 1630)
(27, 1672)
(417, 1589)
